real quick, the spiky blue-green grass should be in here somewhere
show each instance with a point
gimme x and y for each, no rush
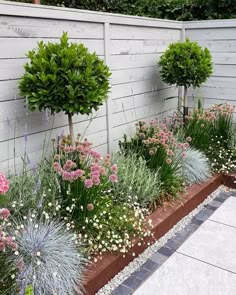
(48, 259)
(195, 167)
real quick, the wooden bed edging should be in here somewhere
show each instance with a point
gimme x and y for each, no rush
(163, 220)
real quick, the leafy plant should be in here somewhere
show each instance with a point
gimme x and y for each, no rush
(88, 205)
(64, 77)
(157, 146)
(136, 181)
(186, 64)
(194, 167)
(47, 258)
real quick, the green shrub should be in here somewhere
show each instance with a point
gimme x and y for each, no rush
(136, 181)
(185, 64)
(64, 77)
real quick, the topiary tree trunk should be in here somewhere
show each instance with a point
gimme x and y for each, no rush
(71, 128)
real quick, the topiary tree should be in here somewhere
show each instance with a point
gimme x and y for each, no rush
(65, 77)
(186, 64)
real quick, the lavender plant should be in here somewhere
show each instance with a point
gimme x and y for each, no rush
(47, 259)
(194, 167)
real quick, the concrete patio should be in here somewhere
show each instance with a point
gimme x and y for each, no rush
(201, 260)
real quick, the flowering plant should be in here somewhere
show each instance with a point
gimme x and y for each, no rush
(82, 175)
(4, 184)
(157, 144)
(7, 245)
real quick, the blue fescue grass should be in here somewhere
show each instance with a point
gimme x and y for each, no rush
(49, 258)
(195, 167)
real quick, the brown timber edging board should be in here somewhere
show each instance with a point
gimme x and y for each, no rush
(163, 220)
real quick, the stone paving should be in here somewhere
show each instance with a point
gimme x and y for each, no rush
(200, 260)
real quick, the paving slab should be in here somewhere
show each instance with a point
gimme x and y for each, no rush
(182, 275)
(226, 213)
(214, 243)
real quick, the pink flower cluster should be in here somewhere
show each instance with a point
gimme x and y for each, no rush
(5, 240)
(157, 135)
(4, 184)
(86, 166)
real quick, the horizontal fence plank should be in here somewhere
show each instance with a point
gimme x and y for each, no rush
(221, 82)
(211, 34)
(38, 122)
(132, 102)
(124, 47)
(132, 75)
(161, 109)
(119, 62)
(35, 142)
(203, 24)
(224, 58)
(44, 28)
(61, 13)
(16, 109)
(219, 45)
(138, 87)
(18, 47)
(215, 92)
(120, 32)
(224, 70)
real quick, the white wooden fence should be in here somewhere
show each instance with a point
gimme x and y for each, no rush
(131, 47)
(220, 37)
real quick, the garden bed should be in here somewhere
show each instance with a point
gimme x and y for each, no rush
(163, 219)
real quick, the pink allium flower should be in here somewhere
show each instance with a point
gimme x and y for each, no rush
(96, 173)
(113, 178)
(69, 163)
(186, 144)
(183, 155)
(71, 148)
(96, 180)
(4, 184)
(95, 167)
(90, 207)
(170, 152)
(88, 183)
(20, 264)
(79, 172)
(103, 171)
(168, 161)
(108, 156)
(80, 148)
(189, 139)
(114, 168)
(67, 149)
(66, 175)
(4, 213)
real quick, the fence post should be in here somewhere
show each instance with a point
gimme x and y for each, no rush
(36, 2)
(180, 88)
(109, 100)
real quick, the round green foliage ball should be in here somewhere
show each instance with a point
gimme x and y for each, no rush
(186, 64)
(64, 77)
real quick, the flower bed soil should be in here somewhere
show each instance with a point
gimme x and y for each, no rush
(163, 220)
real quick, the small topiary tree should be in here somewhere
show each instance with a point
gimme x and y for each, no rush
(186, 64)
(65, 77)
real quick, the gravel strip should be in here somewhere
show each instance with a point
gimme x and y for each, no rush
(137, 262)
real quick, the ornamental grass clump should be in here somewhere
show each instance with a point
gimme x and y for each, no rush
(47, 258)
(136, 181)
(158, 146)
(194, 167)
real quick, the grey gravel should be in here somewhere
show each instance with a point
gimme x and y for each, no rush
(146, 255)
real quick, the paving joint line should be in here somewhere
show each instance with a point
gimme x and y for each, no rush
(213, 265)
